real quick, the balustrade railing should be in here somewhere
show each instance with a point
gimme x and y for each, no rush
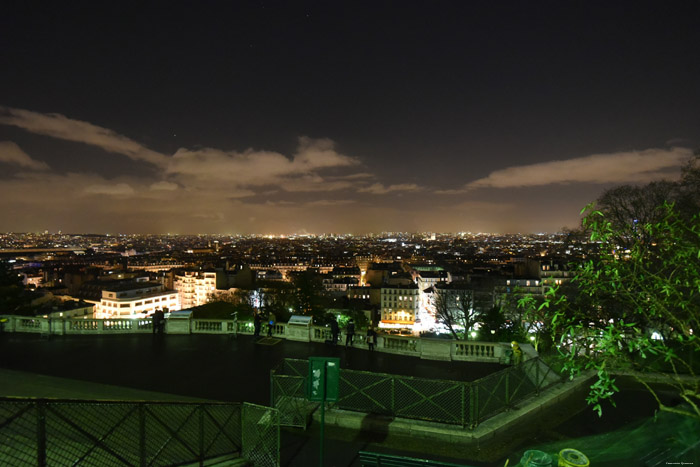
(84, 325)
(406, 345)
(209, 326)
(321, 334)
(468, 350)
(400, 344)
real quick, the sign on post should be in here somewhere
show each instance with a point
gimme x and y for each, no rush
(324, 379)
(322, 386)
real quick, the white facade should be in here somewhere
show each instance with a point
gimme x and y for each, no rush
(400, 304)
(135, 300)
(194, 288)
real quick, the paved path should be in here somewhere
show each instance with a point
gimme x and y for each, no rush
(201, 366)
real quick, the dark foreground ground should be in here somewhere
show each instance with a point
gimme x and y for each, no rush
(203, 366)
(237, 369)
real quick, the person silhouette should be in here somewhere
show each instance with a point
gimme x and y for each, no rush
(349, 333)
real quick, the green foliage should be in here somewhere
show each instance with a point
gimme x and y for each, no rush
(637, 308)
(14, 299)
(359, 317)
(217, 310)
(493, 320)
(310, 298)
(278, 298)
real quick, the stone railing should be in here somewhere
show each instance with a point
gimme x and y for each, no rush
(425, 348)
(400, 344)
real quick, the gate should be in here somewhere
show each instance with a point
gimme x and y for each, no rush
(261, 435)
(288, 393)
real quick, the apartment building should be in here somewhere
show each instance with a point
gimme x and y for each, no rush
(194, 288)
(129, 299)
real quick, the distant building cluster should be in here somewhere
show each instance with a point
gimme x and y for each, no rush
(395, 279)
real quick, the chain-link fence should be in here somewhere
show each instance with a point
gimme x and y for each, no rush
(453, 402)
(404, 396)
(92, 433)
(261, 435)
(288, 393)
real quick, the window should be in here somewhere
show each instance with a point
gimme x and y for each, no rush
(124, 305)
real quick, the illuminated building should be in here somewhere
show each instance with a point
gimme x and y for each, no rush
(194, 288)
(129, 299)
(399, 305)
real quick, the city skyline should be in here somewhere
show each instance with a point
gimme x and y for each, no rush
(316, 118)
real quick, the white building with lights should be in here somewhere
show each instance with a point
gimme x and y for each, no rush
(399, 305)
(135, 299)
(194, 288)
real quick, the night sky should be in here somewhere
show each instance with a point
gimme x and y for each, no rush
(338, 117)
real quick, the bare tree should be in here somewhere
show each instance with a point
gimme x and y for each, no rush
(454, 307)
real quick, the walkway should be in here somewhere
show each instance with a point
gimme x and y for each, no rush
(215, 367)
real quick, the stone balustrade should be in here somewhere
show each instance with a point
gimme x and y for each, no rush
(425, 348)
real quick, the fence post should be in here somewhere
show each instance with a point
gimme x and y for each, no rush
(464, 405)
(201, 435)
(537, 375)
(393, 396)
(508, 388)
(473, 404)
(142, 435)
(41, 433)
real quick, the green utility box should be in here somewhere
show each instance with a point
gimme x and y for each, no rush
(324, 379)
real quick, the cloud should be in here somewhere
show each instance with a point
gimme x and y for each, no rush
(621, 167)
(61, 127)
(10, 153)
(164, 186)
(119, 189)
(355, 176)
(263, 168)
(380, 189)
(331, 202)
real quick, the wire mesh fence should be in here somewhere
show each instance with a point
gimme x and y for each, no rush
(288, 393)
(98, 433)
(261, 435)
(441, 401)
(452, 402)
(363, 391)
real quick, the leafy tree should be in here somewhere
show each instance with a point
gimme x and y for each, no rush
(278, 298)
(240, 301)
(14, 300)
(638, 309)
(310, 298)
(533, 320)
(494, 327)
(214, 310)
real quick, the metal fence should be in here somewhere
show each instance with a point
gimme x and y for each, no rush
(453, 402)
(261, 435)
(288, 393)
(96, 433)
